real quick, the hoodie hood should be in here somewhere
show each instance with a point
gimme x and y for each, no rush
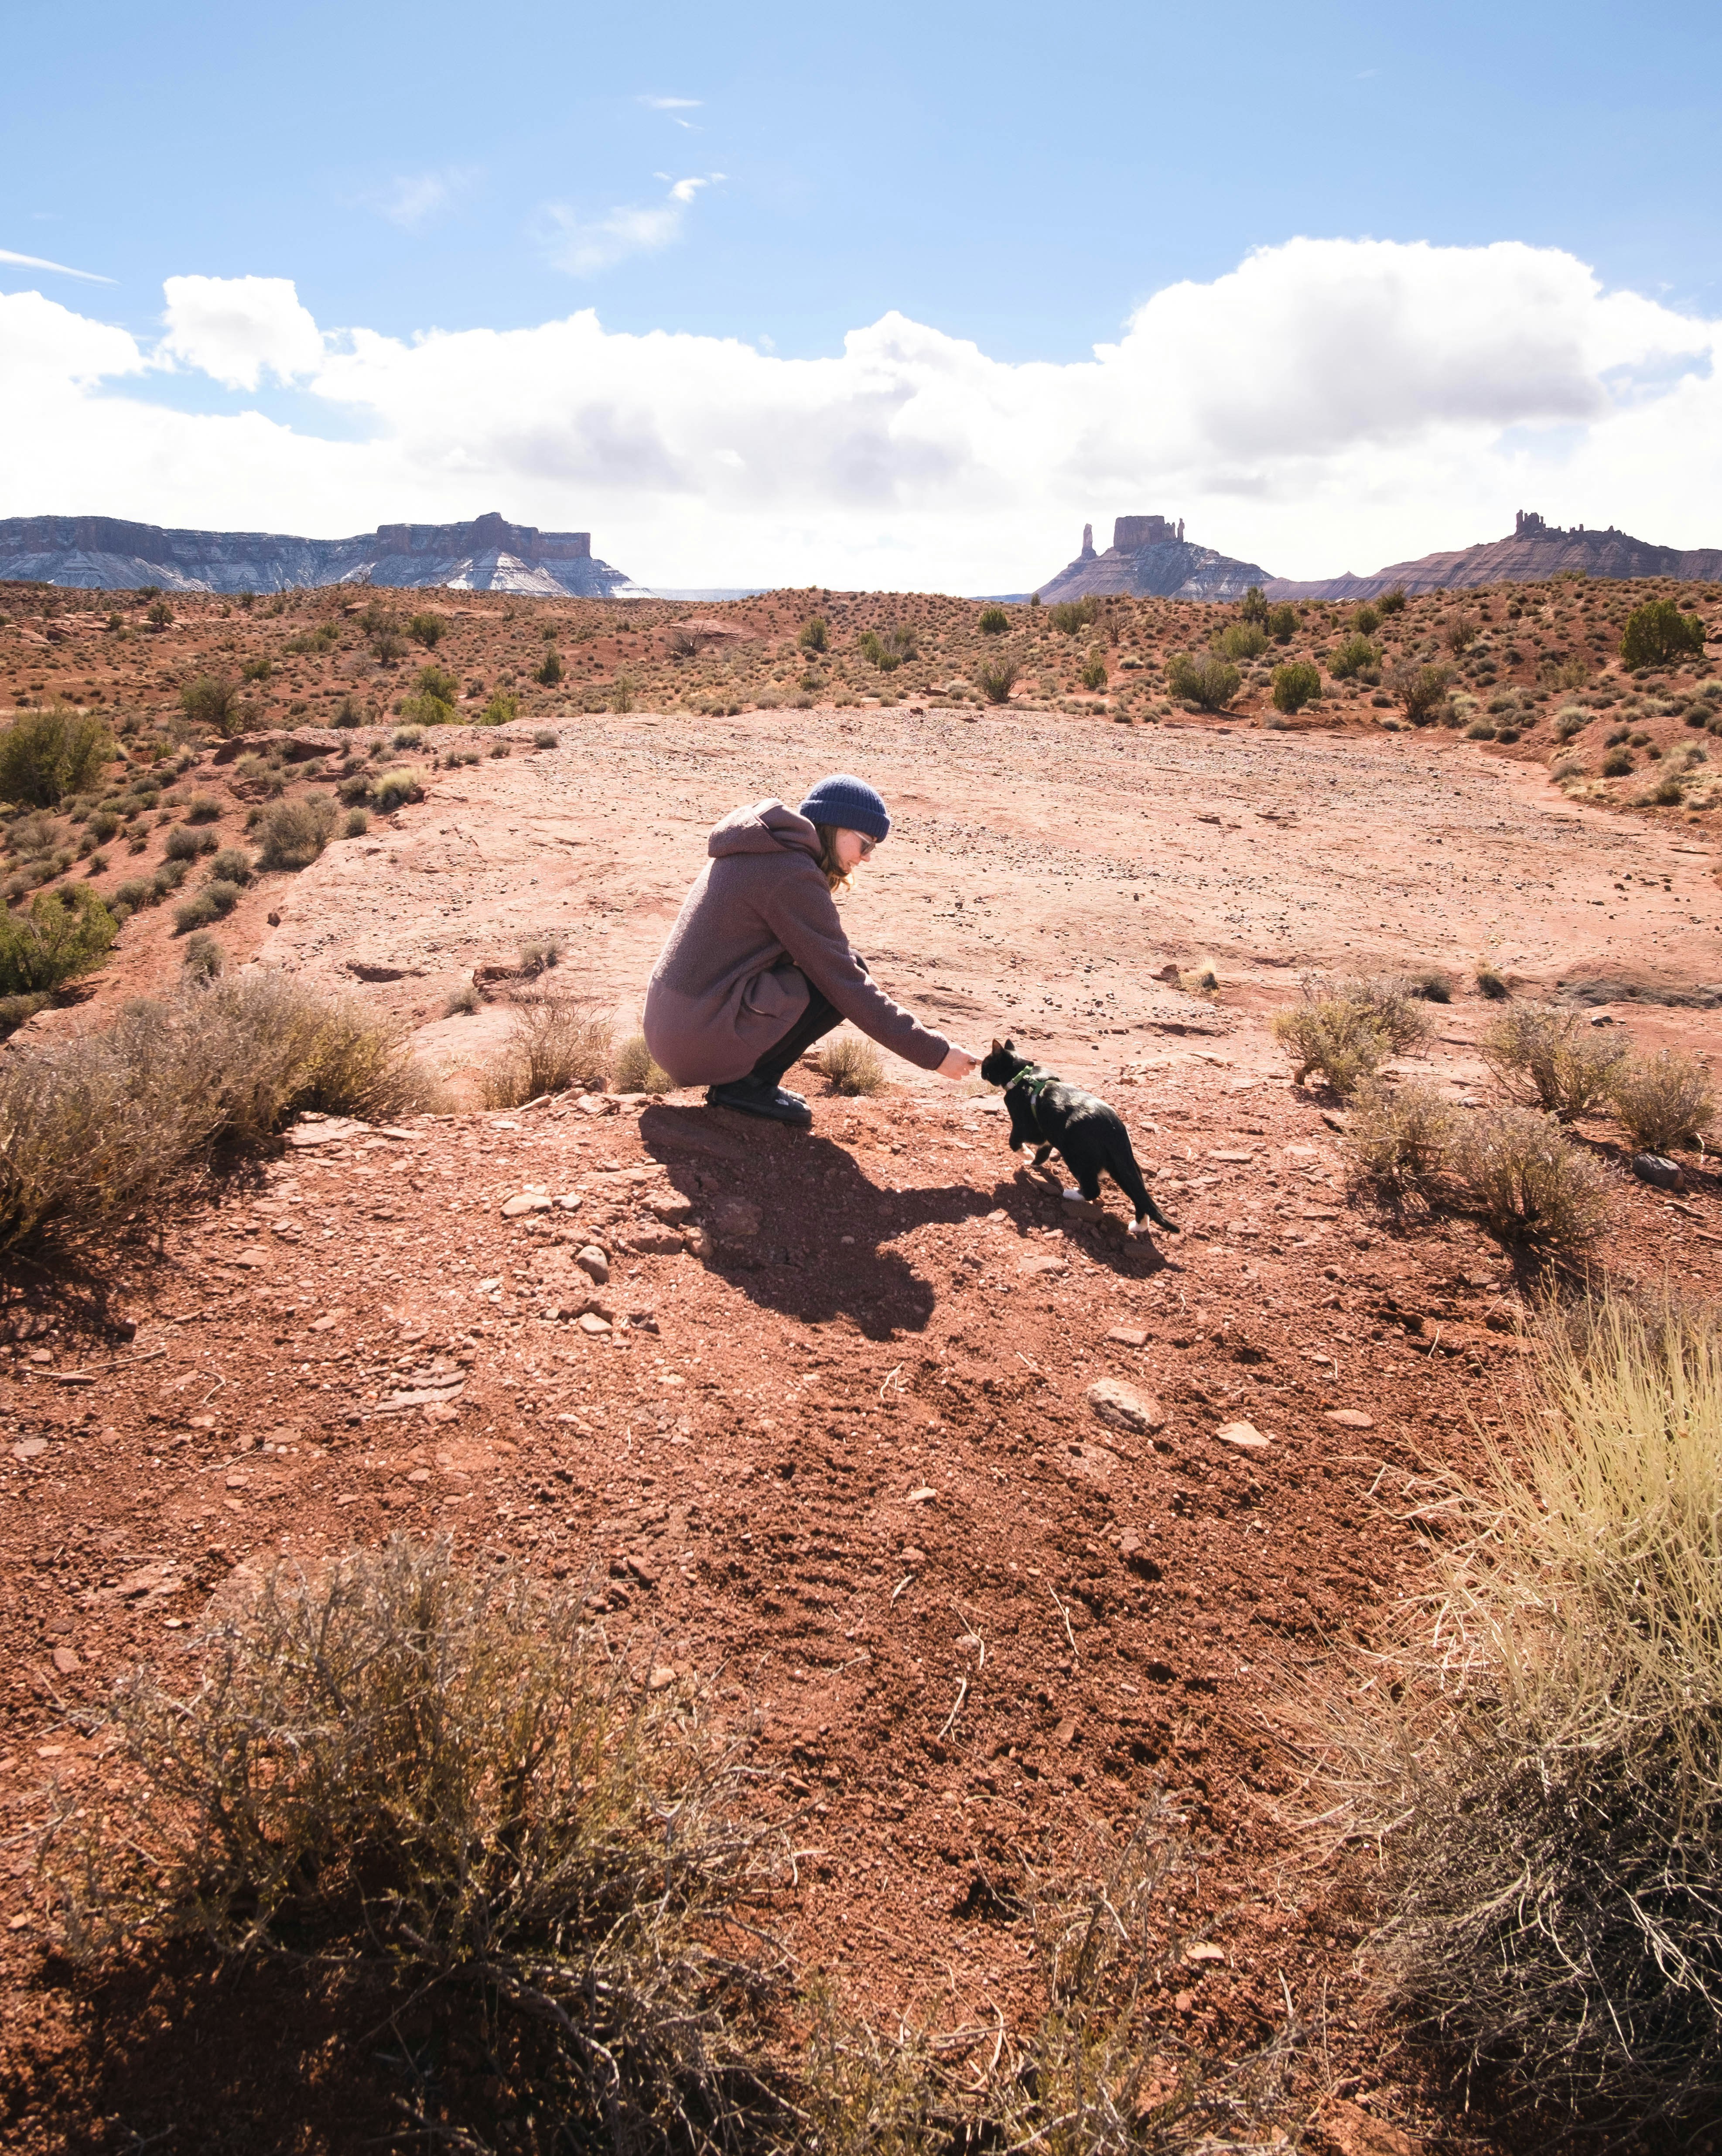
(766, 828)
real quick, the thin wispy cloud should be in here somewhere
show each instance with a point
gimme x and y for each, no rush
(583, 245)
(412, 197)
(671, 103)
(59, 269)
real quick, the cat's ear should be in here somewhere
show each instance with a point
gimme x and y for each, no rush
(995, 1044)
(1010, 1047)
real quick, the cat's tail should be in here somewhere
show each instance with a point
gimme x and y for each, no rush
(1128, 1177)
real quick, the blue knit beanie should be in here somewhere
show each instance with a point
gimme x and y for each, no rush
(850, 803)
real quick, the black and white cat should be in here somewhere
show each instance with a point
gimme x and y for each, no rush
(1055, 1117)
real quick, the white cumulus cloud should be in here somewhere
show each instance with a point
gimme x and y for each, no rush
(1326, 405)
(232, 328)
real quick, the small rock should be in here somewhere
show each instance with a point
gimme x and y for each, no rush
(661, 1679)
(65, 1662)
(1351, 1419)
(592, 1322)
(251, 1260)
(592, 1262)
(737, 1216)
(594, 1104)
(1128, 1336)
(515, 1208)
(912, 1556)
(1065, 1733)
(1665, 1174)
(324, 1324)
(642, 1571)
(1047, 1267)
(1200, 1950)
(29, 1447)
(673, 1210)
(1244, 1434)
(921, 1497)
(654, 1242)
(1125, 1408)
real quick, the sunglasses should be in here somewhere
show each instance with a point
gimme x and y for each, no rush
(866, 845)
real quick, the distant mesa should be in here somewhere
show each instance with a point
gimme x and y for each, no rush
(1536, 552)
(489, 554)
(1150, 555)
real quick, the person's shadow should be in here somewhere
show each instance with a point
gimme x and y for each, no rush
(801, 1228)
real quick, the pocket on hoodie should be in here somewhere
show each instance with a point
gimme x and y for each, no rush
(779, 992)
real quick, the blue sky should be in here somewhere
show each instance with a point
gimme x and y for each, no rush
(787, 175)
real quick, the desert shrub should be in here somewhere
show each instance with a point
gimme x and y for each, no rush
(539, 954)
(45, 755)
(555, 1042)
(550, 672)
(1535, 1754)
(169, 876)
(203, 958)
(120, 1123)
(387, 647)
(133, 892)
(1617, 763)
(292, 833)
(547, 738)
(1667, 792)
(231, 864)
(1400, 1139)
(1282, 622)
(1422, 689)
(1356, 655)
(815, 633)
(994, 621)
(1208, 681)
(186, 844)
(1433, 983)
(391, 788)
(16, 1010)
(1392, 602)
(1491, 983)
(635, 1071)
(1093, 674)
(160, 615)
(1664, 1101)
(1295, 684)
(1527, 1183)
(350, 713)
(1240, 640)
(403, 738)
(502, 710)
(464, 1001)
(65, 934)
(1461, 633)
(851, 1064)
(888, 648)
(1367, 620)
(213, 700)
(1252, 607)
(388, 1754)
(621, 694)
(1550, 1059)
(1072, 616)
(995, 678)
(196, 913)
(1658, 633)
(257, 669)
(427, 629)
(1347, 1030)
(355, 824)
(203, 808)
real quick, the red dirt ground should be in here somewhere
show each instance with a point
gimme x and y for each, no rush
(820, 1463)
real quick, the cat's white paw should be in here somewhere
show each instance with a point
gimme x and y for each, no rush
(1139, 1228)
(1071, 1193)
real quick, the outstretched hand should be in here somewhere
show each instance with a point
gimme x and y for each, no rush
(959, 1064)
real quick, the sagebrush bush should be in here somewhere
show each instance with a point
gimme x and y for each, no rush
(1517, 1171)
(122, 1122)
(231, 864)
(186, 844)
(292, 833)
(1550, 1059)
(1422, 689)
(1208, 681)
(851, 1064)
(1537, 1751)
(555, 1043)
(994, 621)
(1664, 1101)
(1240, 640)
(66, 932)
(44, 755)
(1400, 1141)
(995, 678)
(1071, 616)
(203, 959)
(636, 1072)
(1348, 1028)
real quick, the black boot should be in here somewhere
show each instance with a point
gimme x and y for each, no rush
(748, 1096)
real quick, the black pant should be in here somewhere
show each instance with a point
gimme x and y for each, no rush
(815, 1022)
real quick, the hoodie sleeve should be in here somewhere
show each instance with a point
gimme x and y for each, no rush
(801, 912)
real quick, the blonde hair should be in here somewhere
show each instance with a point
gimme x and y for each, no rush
(836, 878)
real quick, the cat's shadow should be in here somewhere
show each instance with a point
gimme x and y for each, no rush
(799, 1227)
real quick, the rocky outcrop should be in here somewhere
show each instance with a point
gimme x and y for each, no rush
(103, 553)
(1149, 555)
(1536, 551)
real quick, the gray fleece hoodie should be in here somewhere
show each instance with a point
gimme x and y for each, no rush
(758, 925)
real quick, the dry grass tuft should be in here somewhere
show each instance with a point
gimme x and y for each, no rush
(636, 1072)
(556, 1042)
(1539, 1757)
(389, 1761)
(292, 833)
(119, 1124)
(1550, 1059)
(1664, 1101)
(1517, 1172)
(853, 1065)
